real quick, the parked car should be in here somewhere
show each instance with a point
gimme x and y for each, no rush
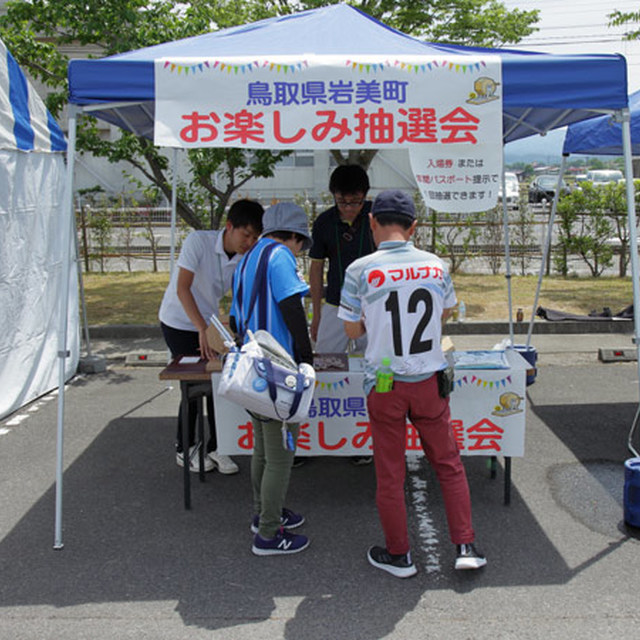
(543, 187)
(604, 176)
(513, 190)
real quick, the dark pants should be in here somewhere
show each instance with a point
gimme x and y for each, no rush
(186, 343)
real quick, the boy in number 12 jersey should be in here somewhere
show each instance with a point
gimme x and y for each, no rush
(399, 296)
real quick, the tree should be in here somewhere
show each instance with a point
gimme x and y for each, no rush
(492, 236)
(615, 205)
(485, 23)
(38, 31)
(455, 237)
(522, 232)
(585, 229)
(617, 18)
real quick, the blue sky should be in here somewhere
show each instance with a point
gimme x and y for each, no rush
(575, 26)
(581, 26)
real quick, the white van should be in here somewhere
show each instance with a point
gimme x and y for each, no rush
(604, 176)
(513, 190)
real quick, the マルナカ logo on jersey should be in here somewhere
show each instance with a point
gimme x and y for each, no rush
(376, 278)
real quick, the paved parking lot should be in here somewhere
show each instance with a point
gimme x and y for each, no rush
(135, 564)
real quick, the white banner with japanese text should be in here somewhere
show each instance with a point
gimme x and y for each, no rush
(449, 108)
(487, 416)
(465, 177)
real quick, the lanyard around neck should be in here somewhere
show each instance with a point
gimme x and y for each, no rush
(339, 247)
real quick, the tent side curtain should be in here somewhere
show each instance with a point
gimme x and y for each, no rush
(25, 123)
(541, 91)
(32, 213)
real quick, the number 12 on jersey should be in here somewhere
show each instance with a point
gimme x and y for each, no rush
(411, 312)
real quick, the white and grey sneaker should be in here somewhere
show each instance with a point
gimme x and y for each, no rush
(223, 463)
(194, 460)
(468, 557)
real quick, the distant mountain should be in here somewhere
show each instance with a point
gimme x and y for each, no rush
(545, 149)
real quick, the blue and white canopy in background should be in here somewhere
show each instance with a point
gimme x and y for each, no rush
(32, 220)
(603, 136)
(25, 123)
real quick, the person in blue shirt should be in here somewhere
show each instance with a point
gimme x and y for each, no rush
(278, 309)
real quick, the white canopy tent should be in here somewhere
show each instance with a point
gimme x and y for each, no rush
(540, 92)
(36, 274)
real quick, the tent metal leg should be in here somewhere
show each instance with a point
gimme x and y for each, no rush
(67, 223)
(507, 252)
(633, 249)
(634, 425)
(546, 248)
(184, 442)
(493, 470)
(507, 480)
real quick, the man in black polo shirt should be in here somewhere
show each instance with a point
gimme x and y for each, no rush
(341, 235)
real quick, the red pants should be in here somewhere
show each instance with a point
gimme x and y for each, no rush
(420, 403)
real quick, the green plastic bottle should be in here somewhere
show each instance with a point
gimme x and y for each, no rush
(384, 377)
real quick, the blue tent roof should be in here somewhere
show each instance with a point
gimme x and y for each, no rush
(25, 123)
(541, 91)
(602, 136)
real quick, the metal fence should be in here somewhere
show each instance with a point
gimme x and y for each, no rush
(139, 239)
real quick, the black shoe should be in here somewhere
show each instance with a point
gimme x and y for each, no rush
(400, 566)
(468, 557)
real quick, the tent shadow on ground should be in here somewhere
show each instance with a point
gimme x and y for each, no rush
(128, 539)
(591, 488)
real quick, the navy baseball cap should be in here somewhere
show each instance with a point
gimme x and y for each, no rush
(394, 201)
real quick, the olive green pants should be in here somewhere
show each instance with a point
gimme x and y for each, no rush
(270, 472)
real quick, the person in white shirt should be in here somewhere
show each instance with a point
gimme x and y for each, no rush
(399, 296)
(202, 277)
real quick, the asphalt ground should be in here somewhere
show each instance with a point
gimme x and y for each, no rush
(135, 564)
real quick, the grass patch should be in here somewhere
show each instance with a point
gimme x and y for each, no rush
(134, 298)
(124, 298)
(486, 296)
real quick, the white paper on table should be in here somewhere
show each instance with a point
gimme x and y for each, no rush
(492, 359)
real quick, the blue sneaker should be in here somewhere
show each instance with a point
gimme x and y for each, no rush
(282, 543)
(288, 520)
